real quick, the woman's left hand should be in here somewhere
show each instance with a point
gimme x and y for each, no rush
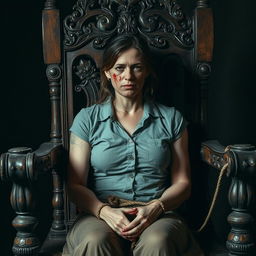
(145, 216)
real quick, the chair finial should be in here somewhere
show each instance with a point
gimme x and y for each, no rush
(202, 3)
(50, 4)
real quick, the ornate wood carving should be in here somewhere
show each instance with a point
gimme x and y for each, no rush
(214, 154)
(52, 57)
(204, 37)
(51, 157)
(87, 78)
(241, 198)
(203, 70)
(58, 227)
(22, 167)
(17, 166)
(98, 21)
(202, 3)
(242, 167)
(53, 73)
(50, 4)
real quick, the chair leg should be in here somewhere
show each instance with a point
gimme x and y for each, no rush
(16, 166)
(240, 239)
(58, 229)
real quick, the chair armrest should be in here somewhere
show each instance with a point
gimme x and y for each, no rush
(50, 156)
(215, 154)
(241, 160)
(22, 166)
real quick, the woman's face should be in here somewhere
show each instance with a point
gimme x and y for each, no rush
(128, 74)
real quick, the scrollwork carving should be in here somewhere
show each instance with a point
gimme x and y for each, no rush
(86, 71)
(97, 21)
(87, 78)
(126, 23)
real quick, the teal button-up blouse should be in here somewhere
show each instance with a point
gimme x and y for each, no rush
(134, 167)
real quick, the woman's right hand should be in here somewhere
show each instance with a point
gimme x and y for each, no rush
(116, 217)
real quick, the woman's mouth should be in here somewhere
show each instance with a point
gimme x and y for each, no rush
(128, 86)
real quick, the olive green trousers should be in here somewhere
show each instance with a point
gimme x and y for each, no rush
(168, 236)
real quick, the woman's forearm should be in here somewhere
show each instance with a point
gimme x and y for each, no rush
(175, 195)
(84, 198)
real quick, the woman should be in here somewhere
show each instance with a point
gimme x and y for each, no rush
(137, 150)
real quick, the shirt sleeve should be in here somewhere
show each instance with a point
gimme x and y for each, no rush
(179, 124)
(80, 126)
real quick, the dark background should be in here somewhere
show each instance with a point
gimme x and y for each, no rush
(25, 109)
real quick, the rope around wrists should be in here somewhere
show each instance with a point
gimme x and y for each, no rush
(160, 203)
(115, 202)
(99, 210)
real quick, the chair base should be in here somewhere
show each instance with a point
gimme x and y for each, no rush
(52, 246)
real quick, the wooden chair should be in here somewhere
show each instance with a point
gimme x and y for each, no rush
(182, 47)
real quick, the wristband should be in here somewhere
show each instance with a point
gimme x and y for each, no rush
(99, 210)
(160, 202)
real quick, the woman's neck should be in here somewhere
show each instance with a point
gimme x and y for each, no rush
(129, 106)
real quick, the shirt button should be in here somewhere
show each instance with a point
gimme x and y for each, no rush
(130, 141)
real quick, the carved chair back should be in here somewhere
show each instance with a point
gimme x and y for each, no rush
(182, 49)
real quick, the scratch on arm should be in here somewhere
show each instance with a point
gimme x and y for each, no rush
(75, 140)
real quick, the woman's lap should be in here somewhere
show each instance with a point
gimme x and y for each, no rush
(167, 236)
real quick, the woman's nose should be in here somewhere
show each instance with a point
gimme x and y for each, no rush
(128, 73)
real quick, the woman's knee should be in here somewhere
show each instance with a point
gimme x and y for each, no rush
(156, 238)
(98, 238)
(155, 243)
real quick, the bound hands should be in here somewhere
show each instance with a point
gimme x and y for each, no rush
(131, 230)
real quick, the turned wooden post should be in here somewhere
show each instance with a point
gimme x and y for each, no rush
(52, 57)
(241, 161)
(17, 166)
(241, 198)
(204, 37)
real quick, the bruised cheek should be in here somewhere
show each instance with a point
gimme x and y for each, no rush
(117, 77)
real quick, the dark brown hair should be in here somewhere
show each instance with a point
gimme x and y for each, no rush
(112, 52)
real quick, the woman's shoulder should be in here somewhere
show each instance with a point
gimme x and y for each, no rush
(165, 110)
(93, 109)
(173, 119)
(96, 112)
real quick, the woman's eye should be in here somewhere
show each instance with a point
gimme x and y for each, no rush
(119, 68)
(138, 68)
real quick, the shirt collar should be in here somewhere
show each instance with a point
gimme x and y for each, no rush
(150, 109)
(106, 110)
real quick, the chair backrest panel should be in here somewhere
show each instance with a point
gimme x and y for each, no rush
(171, 36)
(161, 22)
(93, 23)
(80, 75)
